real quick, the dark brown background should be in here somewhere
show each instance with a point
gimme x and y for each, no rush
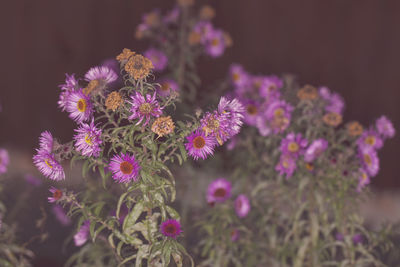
(350, 46)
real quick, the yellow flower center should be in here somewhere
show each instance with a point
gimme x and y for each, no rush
(279, 112)
(364, 177)
(81, 105)
(213, 124)
(88, 140)
(367, 159)
(285, 164)
(126, 167)
(370, 140)
(48, 163)
(145, 108)
(236, 77)
(199, 142)
(293, 147)
(215, 42)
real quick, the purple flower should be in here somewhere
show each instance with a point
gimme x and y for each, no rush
(242, 206)
(215, 45)
(269, 88)
(158, 58)
(339, 236)
(124, 168)
(82, 235)
(370, 140)
(48, 165)
(233, 111)
(172, 16)
(363, 180)
(4, 160)
(334, 102)
(33, 180)
(293, 145)
(276, 117)
(286, 165)
(315, 149)
(239, 77)
(252, 112)
(56, 194)
(102, 74)
(46, 141)
(79, 106)
(357, 239)
(71, 84)
(144, 108)
(385, 127)
(60, 215)
(205, 29)
(234, 234)
(199, 145)
(219, 190)
(167, 87)
(171, 228)
(88, 139)
(232, 143)
(369, 161)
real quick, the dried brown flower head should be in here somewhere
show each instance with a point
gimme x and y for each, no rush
(354, 128)
(194, 38)
(93, 84)
(125, 55)
(207, 12)
(185, 3)
(152, 19)
(308, 92)
(332, 119)
(114, 101)
(163, 126)
(228, 39)
(138, 66)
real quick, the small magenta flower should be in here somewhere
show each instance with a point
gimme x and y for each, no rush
(102, 74)
(4, 160)
(79, 106)
(48, 165)
(239, 77)
(369, 160)
(60, 215)
(242, 206)
(215, 45)
(144, 108)
(293, 144)
(124, 168)
(168, 86)
(88, 139)
(205, 30)
(171, 228)
(46, 141)
(158, 58)
(278, 115)
(269, 88)
(385, 127)
(370, 140)
(82, 235)
(286, 165)
(219, 190)
(199, 145)
(334, 102)
(172, 16)
(233, 113)
(56, 194)
(357, 239)
(252, 112)
(316, 148)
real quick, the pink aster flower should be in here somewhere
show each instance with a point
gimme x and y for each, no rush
(167, 87)
(70, 85)
(158, 58)
(205, 29)
(171, 228)
(48, 165)
(144, 108)
(124, 168)
(242, 206)
(82, 235)
(363, 180)
(4, 160)
(32, 180)
(269, 88)
(219, 190)
(239, 77)
(102, 74)
(172, 16)
(199, 145)
(79, 106)
(215, 45)
(60, 215)
(370, 140)
(46, 141)
(385, 127)
(56, 194)
(287, 165)
(88, 140)
(315, 149)
(276, 118)
(252, 112)
(293, 145)
(334, 102)
(233, 111)
(369, 161)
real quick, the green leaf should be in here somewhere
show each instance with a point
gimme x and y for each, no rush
(172, 212)
(132, 217)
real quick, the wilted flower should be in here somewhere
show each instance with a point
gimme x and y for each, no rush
(242, 206)
(114, 101)
(332, 119)
(308, 92)
(219, 190)
(199, 145)
(171, 228)
(354, 128)
(124, 168)
(88, 139)
(206, 12)
(163, 126)
(385, 127)
(125, 55)
(152, 19)
(138, 66)
(144, 108)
